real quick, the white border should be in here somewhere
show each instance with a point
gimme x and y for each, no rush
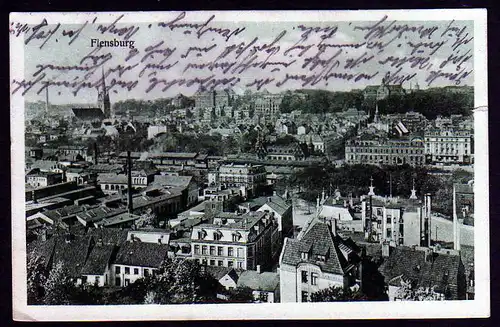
(480, 307)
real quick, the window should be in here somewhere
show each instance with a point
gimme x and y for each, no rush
(314, 278)
(118, 281)
(304, 277)
(97, 280)
(136, 271)
(230, 251)
(236, 237)
(220, 250)
(146, 272)
(127, 270)
(220, 263)
(304, 255)
(204, 250)
(196, 249)
(240, 252)
(212, 250)
(127, 282)
(305, 297)
(117, 270)
(240, 264)
(230, 263)
(212, 262)
(217, 236)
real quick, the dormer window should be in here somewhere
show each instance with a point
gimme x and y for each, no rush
(321, 258)
(202, 234)
(217, 235)
(304, 255)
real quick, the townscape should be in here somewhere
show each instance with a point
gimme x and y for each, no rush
(219, 197)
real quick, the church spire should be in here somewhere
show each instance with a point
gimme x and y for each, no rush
(413, 195)
(103, 97)
(372, 188)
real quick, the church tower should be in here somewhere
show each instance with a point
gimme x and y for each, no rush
(103, 98)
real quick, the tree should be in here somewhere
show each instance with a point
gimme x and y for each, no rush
(241, 295)
(180, 281)
(36, 278)
(409, 292)
(59, 287)
(337, 293)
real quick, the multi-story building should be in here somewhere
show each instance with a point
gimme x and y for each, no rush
(449, 145)
(318, 260)
(267, 104)
(381, 150)
(235, 175)
(245, 241)
(288, 152)
(37, 178)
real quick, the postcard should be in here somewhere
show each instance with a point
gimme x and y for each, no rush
(249, 165)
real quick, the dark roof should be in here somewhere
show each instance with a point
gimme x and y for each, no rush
(88, 113)
(219, 272)
(142, 254)
(98, 260)
(319, 241)
(109, 236)
(265, 281)
(72, 254)
(43, 249)
(441, 271)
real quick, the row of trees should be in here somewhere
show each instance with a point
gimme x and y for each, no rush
(395, 180)
(430, 103)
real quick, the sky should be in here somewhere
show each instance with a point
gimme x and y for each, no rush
(58, 52)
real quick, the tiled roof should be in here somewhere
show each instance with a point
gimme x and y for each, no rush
(441, 271)
(173, 180)
(318, 241)
(142, 254)
(44, 249)
(98, 260)
(72, 254)
(265, 281)
(109, 236)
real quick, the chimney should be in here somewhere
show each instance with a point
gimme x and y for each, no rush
(43, 235)
(95, 153)
(456, 226)
(258, 269)
(130, 205)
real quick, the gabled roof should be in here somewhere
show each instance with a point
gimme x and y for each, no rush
(319, 241)
(166, 180)
(142, 254)
(98, 260)
(219, 272)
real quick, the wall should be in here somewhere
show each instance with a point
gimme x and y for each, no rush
(288, 284)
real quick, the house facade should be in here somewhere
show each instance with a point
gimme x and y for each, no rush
(318, 260)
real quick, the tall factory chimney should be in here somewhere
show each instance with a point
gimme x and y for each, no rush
(130, 205)
(456, 226)
(427, 220)
(95, 153)
(47, 105)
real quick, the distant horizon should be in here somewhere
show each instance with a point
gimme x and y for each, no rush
(42, 99)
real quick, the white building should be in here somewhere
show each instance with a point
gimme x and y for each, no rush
(135, 260)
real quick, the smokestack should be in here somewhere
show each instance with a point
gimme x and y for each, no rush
(47, 100)
(95, 153)
(130, 204)
(456, 227)
(427, 221)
